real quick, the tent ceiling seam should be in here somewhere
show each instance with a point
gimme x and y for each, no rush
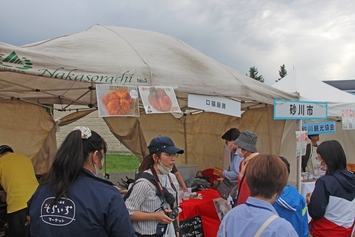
(45, 90)
(150, 72)
(78, 98)
(31, 102)
(30, 89)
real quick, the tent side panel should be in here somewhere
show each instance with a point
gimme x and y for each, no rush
(27, 128)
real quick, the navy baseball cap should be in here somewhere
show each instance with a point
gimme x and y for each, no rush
(165, 144)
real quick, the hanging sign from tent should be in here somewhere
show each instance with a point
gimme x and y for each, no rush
(301, 137)
(117, 100)
(318, 128)
(159, 99)
(284, 109)
(348, 119)
(215, 104)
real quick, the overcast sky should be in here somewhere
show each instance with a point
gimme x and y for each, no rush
(317, 37)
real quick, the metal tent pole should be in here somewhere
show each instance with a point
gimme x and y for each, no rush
(299, 160)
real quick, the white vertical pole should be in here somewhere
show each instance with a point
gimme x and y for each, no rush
(299, 160)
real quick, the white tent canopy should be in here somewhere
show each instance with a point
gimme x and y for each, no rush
(53, 71)
(312, 89)
(65, 70)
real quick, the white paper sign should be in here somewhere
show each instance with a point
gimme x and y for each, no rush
(301, 137)
(348, 119)
(222, 208)
(215, 104)
(284, 109)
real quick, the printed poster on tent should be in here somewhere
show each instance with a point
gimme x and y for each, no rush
(301, 137)
(117, 100)
(159, 99)
(348, 119)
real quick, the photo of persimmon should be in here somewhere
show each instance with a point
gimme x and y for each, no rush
(118, 102)
(159, 100)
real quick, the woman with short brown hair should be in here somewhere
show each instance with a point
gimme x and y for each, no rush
(261, 181)
(266, 177)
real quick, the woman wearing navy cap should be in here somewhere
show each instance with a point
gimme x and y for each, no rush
(152, 203)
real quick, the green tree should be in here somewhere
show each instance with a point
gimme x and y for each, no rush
(48, 108)
(282, 72)
(253, 73)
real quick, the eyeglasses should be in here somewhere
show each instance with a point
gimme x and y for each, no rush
(171, 155)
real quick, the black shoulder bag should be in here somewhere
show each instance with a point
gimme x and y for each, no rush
(170, 199)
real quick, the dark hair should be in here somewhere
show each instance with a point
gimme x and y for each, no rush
(148, 162)
(69, 161)
(309, 136)
(5, 148)
(266, 175)
(333, 155)
(231, 134)
(286, 162)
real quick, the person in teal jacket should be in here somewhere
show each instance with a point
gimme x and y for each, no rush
(291, 206)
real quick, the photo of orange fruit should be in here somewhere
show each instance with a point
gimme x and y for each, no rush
(159, 100)
(118, 102)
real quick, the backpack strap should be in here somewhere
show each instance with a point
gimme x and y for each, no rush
(266, 223)
(239, 188)
(147, 178)
(148, 182)
(224, 226)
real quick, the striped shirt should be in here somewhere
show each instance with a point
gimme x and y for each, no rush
(143, 198)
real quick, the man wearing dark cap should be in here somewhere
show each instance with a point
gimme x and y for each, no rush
(232, 174)
(18, 179)
(246, 143)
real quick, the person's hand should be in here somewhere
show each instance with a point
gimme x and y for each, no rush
(221, 175)
(185, 189)
(308, 198)
(162, 218)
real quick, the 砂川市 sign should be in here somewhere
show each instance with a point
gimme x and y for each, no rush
(286, 109)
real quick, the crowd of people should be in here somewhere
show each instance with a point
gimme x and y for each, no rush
(70, 200)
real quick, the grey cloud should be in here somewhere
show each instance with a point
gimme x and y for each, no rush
(316, 36)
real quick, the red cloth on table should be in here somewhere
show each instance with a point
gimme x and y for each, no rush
(209, 173)
(205, 208)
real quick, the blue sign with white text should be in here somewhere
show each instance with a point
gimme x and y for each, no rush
(318, 128)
